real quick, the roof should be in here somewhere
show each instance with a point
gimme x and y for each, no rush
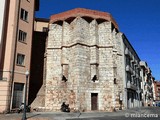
(42, 20)
(83, 13)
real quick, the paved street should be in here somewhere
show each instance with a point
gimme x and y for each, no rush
(149, 113)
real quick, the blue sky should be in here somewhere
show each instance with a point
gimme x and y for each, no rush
(139, 20)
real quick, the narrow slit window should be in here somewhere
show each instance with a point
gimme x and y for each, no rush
(65, 72)
(94, 72)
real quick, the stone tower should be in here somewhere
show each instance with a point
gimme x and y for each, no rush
(84, 61)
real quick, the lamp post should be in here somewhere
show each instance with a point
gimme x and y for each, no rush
(25, 95)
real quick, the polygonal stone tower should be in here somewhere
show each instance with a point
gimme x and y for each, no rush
(84, 61)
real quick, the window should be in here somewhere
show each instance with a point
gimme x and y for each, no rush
(65, 72)
(20, 59)
(22, 36)
(127, 61)
(24, 15)
(1, 75)
(132, 64)
(129, 77)
(94, 72)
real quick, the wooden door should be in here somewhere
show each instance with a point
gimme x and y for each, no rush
(94, 101)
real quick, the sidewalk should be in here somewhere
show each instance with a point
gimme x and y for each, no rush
(64, 116)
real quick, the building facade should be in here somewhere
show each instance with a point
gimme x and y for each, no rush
(90, 64)
(132, 84)
(147, 84)
(15, 50)
(157, 91)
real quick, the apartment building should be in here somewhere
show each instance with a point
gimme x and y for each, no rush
(90, 64)
(157, 91)
(132, 80)
(15, 47)
(147, 84)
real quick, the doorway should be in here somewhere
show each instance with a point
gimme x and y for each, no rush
(17, 95)
(94, 101)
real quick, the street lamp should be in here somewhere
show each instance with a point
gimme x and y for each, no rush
(25, 95)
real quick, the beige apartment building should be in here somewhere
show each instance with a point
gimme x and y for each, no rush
(15, 50)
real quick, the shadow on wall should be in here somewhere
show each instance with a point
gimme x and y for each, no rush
(37, 64)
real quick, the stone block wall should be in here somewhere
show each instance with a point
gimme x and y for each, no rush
(83, 57)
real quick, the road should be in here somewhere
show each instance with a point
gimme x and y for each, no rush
(147, 113)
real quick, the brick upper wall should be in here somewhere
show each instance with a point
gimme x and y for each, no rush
(83, 12)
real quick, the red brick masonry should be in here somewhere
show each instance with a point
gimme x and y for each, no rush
(83, 12)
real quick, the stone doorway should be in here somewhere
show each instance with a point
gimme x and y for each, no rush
(94, 101)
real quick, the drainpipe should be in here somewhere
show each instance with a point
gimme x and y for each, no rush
(14, 57)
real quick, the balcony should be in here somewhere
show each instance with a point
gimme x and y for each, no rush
(138, 67)
(148, 87)
(150, 95)
(136, 63)
(137, 76)
(131, 86)
(140, 91)
(143, 63)
(127, 52)
(140, 78)
(133, 73)
(133, 61)
(128, 68)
